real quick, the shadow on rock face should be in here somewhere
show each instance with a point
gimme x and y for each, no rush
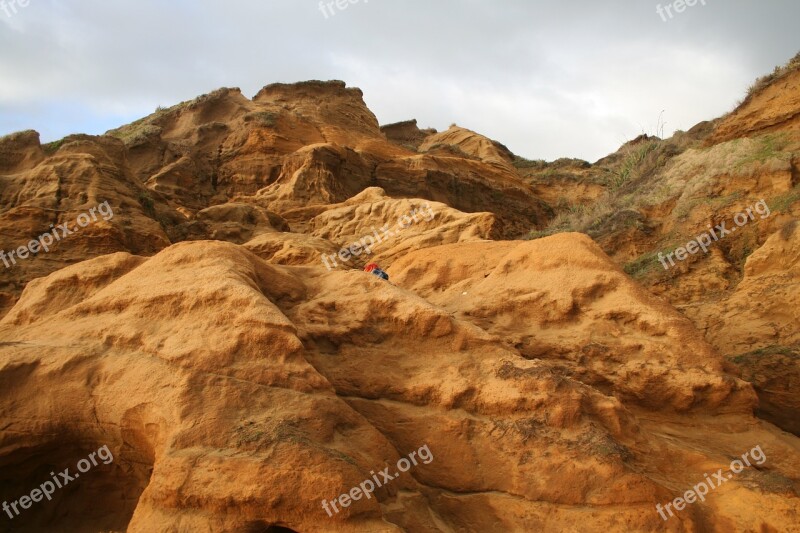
(263, 527)
(91, 498)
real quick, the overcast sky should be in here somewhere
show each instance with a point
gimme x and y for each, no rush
(550, 79)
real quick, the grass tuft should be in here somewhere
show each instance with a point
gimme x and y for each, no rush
(53, 147)
(265, 119)
(632, 165)
(779, 72)
(147, 203)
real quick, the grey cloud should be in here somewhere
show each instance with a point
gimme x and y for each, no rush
(549, 79)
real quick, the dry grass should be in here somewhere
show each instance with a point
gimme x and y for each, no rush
(784, 202)
(12, 137)
(694, 177)
(264, 119)
(452, 149)
(142, 130)
(647, 264)
(522, 163)
(678, 172)
(628, 176)
(636, 161)
(780, 72)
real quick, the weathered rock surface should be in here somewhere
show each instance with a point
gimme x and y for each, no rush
(237, 394)
(239, 381)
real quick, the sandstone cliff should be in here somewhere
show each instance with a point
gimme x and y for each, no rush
(218, 333)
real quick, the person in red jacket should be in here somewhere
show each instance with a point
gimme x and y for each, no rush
(376, 270)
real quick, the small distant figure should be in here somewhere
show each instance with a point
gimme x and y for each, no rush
(376, 270)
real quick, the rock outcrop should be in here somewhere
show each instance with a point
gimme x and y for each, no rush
(218, 335)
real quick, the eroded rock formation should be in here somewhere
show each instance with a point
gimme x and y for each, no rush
(240, 383)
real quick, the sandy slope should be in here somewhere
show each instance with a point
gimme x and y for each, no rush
(234, 392)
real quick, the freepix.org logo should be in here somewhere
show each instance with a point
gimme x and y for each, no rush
(46, 240)
(48, 488)
(10, 7)
(678, 5)
(367, 487)
(720, 231)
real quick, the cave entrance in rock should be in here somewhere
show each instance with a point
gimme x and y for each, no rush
(264, 527)
(99, 497)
